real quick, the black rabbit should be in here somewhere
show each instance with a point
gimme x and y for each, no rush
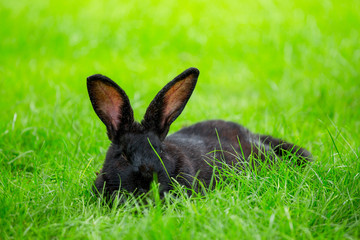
(134, 156)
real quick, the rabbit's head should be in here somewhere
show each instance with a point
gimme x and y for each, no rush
(137, 152)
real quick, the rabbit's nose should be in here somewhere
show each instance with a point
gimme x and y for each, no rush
(146, 171)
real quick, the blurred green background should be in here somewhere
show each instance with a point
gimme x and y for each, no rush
(254, 56)
(285, 68)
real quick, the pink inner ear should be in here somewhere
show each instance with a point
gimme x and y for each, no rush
(109, 101)
(176, 96)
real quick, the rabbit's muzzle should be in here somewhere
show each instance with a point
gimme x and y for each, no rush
(145, 171)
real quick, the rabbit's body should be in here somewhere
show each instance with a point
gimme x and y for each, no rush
(215, 142)
(199, 144)
(187, 155)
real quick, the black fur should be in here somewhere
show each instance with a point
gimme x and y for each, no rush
(132, 159)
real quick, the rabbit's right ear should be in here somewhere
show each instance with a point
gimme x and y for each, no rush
(110, 104)
(170, 102)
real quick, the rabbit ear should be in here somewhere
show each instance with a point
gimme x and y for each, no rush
(170, 102)
(110, 104)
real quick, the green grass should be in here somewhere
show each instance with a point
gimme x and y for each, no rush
(285, 68)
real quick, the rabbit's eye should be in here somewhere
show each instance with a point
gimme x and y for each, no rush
(120, 155)
(123, 156)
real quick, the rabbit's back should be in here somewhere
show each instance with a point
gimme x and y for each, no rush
(219, 141)
(209, 143)
(214, 137)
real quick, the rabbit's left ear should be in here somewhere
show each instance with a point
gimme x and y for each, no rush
(110, 104)
(170, 102)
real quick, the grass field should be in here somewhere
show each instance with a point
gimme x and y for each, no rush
(286, 68)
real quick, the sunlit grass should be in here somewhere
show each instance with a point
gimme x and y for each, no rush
(289, 69)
